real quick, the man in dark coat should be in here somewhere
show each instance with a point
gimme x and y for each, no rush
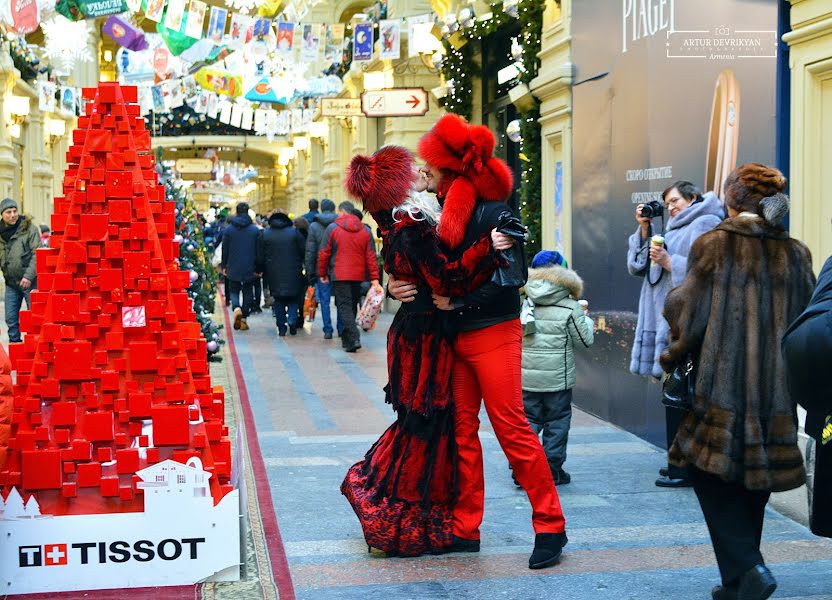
(313, 211)
(19, 238)
(314, 243)
(239, 254)
(807, 346)
(280, 254)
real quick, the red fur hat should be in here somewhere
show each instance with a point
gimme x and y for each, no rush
(381, 181)
(467, 153)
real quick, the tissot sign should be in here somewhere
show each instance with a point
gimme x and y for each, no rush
(181, 538)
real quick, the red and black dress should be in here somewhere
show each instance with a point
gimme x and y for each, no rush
(404, 490)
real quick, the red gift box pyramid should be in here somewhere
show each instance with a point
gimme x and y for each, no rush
(112, 375)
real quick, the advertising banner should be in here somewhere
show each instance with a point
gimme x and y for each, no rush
(679, 90)
(180, 538)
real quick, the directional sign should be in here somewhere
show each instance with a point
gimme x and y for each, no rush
(398, 102)
(341, 107)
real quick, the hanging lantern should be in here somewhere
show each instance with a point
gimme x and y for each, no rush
(513, 131)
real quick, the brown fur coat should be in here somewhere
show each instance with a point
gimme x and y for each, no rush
(746, 282)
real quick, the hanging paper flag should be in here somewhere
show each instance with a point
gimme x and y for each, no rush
(225, 112)
(271, 89)
(413, 31)
(174, 93)
(311, 42)
(189, 84)
(220, 82)
(297, 120)
(248, 118)
(236, 115)
(216, 25)
(175, 14)
(390, 39)
(283, 123)
(261, 28)
(68, 101)
(268, 8)
(200, 50)
(101, 8)
(308, 114)
(260, 119)
(154, 10)
(240, 29)
(46, 96)
(334, 49)
(145, 100)
(196, 19)
(213, 105)
(125, 34)
(160, 62)
(25, 16)
(158, 98)
(200, 102)
(363, 43)
(285, 37)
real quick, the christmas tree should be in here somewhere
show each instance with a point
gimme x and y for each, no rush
(195, 258)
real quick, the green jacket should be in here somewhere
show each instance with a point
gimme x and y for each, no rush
(559, 326)
(17, 256)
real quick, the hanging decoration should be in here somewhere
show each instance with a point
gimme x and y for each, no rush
(66, 43)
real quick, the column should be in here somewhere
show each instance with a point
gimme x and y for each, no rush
(406, 131)
(332, 174)
(86, 74)
(40, 191)
(8, 162)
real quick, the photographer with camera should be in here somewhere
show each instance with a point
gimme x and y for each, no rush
(662, 261)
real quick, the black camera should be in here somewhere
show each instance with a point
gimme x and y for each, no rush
(651, 210)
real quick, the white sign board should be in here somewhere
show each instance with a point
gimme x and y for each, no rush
(341, 107)
(180, 539)
(398, 102)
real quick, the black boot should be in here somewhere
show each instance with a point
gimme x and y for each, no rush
(724, 592)
(756, 584)
(547, 549)
(462, 545)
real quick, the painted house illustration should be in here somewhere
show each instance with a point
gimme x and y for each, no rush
(171, 484)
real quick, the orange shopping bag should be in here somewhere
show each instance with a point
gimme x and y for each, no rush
(309, 305)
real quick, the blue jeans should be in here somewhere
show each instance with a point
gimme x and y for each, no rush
(323, 291)
(246, 288)
(279, 308)
(14, 300)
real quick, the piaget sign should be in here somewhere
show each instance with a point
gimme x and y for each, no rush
(100, 8)
(645, 18)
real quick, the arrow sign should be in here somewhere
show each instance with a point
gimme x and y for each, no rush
(397, 102)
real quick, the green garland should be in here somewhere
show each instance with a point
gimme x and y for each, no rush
(461, 67)
(531, 183)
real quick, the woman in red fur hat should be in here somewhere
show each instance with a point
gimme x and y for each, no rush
(472, 186)
(404, 490)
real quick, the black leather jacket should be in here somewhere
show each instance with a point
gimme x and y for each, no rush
(490, 304)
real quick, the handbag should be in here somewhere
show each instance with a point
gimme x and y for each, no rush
(679, 387)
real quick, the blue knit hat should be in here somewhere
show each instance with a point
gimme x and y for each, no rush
(549, 258)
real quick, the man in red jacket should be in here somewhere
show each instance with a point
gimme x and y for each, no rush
(347, 257)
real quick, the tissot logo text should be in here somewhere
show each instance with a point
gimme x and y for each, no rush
(85, 553)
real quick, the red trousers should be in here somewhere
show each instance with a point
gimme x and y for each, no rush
(487, 368)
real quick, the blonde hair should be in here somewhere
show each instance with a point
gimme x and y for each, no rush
(420, 206)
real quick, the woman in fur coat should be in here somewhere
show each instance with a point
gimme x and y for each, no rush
(691, 215)
(404, 490)
(747, 281)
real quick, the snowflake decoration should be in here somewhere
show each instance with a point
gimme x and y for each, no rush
(245, 6)
(66, 42)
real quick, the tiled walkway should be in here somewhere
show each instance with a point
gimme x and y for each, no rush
(318, 409)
